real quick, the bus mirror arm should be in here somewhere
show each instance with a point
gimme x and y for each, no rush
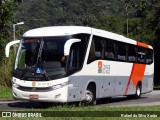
(7, 48)
(68, 45)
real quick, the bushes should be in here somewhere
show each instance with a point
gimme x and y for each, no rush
(6, 69)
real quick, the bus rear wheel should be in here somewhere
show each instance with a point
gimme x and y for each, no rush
(90, 96)
(138, 91)
(137, 94)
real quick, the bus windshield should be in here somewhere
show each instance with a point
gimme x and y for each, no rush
(41, 58)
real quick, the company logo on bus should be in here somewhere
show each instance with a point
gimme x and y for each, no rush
(99, 66)
(33, 83)
(102, 68)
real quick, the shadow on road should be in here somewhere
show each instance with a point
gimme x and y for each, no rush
(45, 105)
(35, 105)
(117, 100)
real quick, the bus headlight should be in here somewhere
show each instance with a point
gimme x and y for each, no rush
(15, 85)
(59, 85)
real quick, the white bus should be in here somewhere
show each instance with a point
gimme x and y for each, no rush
(74, 63)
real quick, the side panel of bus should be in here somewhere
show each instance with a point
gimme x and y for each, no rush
(118, 76)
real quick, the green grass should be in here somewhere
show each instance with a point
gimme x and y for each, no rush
(99, 108)
(5, 92)
(96, 109)
(81, 118)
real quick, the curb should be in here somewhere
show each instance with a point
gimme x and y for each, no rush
(7, 99)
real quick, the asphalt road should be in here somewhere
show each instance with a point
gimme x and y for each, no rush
(152, 98)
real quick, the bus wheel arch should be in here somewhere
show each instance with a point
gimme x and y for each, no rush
(90, 94)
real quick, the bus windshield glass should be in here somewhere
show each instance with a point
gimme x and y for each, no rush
(41, 58)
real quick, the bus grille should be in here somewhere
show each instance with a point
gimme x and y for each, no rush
(35, 89)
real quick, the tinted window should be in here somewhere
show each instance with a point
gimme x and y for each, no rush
(74, 57)
(149, 56)
(103, 48)
(141, 55)
(53, 49)
(109, 52)
(131, 53)
(121, 52)
(82, 46)
(97, 49)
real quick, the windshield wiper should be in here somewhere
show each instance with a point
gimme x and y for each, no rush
(39, 60)
(40, 52)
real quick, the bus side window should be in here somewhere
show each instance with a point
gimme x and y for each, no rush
(131, 53)
(109, 53)
(99, 47)
(121, 52)
(141, 55)
(96, 49)
(74, 57)
(149, 56)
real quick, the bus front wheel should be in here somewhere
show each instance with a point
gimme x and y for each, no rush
(90, 96)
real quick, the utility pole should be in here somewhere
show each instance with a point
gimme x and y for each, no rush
(14, 33)
(126, 4)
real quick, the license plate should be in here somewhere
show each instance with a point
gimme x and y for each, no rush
(33, 97)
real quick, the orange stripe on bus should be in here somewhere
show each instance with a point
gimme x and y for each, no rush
(136, 75)
(129, 80)
(137, 72)
(142, 45)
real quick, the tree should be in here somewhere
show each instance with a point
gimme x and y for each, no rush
(68, 12)
(7, 8)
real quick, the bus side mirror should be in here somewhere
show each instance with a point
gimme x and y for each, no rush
(7, 49)
(68, 45)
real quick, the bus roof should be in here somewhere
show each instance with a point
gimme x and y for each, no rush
(57, 31)
(70, 30)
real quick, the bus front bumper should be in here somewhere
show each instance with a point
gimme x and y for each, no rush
(58, 95)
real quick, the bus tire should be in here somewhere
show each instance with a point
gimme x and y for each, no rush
(138, 91)
(90, 96)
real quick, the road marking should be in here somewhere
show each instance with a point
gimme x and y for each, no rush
(3, 102)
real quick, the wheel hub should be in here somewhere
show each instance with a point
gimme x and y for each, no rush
(88, 96)
(138, 91)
